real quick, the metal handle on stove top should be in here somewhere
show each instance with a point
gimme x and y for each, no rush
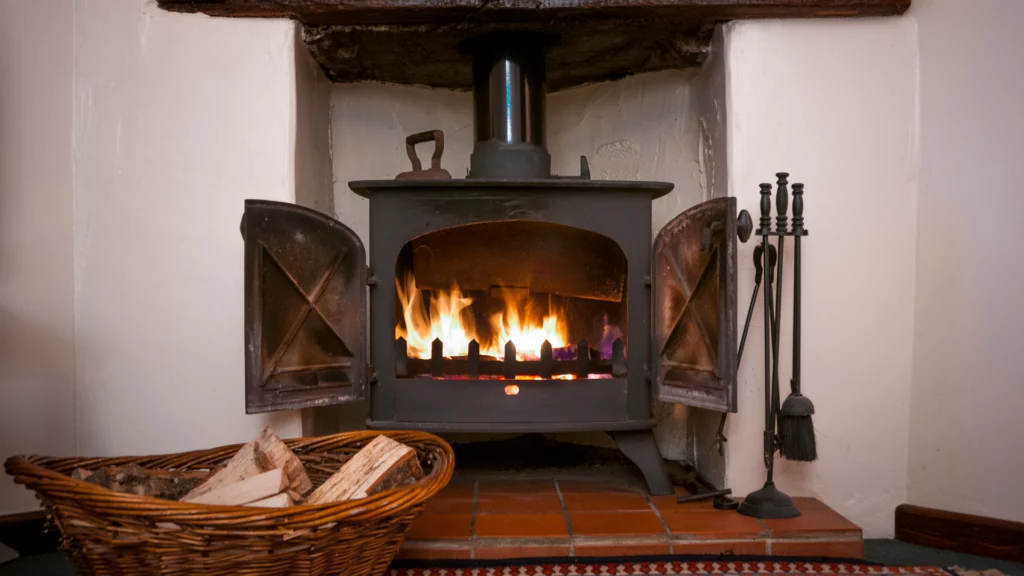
(435, 172)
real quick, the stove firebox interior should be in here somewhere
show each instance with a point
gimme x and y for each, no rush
(509, 301)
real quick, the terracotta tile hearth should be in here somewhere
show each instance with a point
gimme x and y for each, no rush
(493, 519)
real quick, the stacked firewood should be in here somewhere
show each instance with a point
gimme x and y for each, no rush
(265, 472)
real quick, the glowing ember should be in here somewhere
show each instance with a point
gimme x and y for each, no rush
(445, 315)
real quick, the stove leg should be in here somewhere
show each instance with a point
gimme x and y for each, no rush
(639, 446)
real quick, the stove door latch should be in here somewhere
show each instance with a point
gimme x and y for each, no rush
(435, 172)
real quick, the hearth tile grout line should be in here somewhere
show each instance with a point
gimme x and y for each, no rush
(668, 531)
(768, 534)
(472, 520)
(568, 522)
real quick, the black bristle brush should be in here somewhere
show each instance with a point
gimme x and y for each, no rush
(796, 429)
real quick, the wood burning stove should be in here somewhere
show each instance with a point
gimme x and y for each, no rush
(508, 301)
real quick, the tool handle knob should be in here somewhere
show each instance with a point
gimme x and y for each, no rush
(766, 209)
(798, 210)
(782, 202)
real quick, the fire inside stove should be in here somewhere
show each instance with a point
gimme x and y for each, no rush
(457, 317)
(445, 315)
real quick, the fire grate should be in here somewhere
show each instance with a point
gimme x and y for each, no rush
(581, 362)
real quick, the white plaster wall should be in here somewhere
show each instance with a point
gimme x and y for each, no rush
(968, 390)
(640, 128)
(313, 170)
(834, 103)
(37, 410)
(178, 119)
(369, 123)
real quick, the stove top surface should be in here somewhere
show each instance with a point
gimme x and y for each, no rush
(656, 189)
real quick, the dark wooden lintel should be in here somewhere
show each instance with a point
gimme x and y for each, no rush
(416, 41)
(396, 12)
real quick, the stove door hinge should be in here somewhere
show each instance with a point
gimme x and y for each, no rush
(370, 376)
(371, 280)
(647, 281)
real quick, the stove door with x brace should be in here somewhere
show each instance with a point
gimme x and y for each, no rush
(694, 307)
(305, 309)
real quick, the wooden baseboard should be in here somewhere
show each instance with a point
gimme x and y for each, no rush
(979, 535)
(24, 533)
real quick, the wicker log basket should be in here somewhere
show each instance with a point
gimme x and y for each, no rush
(109, 533)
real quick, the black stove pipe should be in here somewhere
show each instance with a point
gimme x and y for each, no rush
(509, 101)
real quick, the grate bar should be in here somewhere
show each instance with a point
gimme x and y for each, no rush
(473, 365)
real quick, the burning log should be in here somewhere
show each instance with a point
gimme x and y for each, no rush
(609, 335)
(564, 354)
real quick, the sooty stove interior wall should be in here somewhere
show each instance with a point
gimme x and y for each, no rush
(508, 301)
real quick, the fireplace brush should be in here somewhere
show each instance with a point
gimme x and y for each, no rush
(796, 430)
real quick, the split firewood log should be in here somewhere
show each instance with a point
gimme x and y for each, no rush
(265, 453)
(381, 465)
(133, 479)
(275, 454)
(282, 500)
(252, 489)
(244, 464)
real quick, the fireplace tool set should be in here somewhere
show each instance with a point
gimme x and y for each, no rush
(788, 427)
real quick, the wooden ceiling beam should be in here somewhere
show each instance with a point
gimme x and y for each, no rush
(355, 12)
(417, 41)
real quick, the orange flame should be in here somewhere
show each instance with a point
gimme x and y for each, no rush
(446, 316)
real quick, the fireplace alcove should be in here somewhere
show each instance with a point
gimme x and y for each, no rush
(639, 323)
(680, 323)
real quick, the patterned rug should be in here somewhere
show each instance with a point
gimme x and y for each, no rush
(660, 567)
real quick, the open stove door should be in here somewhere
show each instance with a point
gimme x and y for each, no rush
(694, 284)
(305, 309)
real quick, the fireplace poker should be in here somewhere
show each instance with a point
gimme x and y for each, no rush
(720, 438)
(704, 496)
(782, 205)
(722, 502)
(796, 429)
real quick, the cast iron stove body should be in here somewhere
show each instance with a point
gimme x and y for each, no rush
(636, 324)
